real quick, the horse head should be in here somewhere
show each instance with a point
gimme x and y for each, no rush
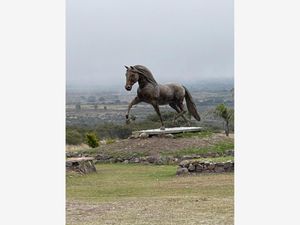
(132, 77)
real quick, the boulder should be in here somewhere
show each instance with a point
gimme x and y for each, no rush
(184, 163)
(182, 171)
(219, 169)
(199, 168)
(211, 166)
(143, 135)
(191, 168)
(155, 159)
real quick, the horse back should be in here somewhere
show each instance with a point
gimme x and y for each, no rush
(171, 93)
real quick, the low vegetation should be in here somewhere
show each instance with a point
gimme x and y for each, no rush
(92, 140)
(76, 133)
(202, 134)
(218, 148)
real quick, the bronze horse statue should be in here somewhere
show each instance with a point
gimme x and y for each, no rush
(151, 92)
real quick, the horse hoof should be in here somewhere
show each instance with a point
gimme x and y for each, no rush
(162, 128)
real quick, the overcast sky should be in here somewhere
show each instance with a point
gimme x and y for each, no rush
(179, 41)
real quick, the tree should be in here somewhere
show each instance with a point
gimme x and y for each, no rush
(92, 140)
(227, 114)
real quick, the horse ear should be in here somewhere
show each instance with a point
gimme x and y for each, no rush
(131, 67)
(126, 67)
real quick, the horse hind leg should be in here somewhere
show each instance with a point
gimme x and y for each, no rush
(174, 106)
(181, 107)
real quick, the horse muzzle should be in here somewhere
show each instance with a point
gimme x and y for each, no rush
(128, 87)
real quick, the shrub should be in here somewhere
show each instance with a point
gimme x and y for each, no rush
(92, 140)
(73, 137)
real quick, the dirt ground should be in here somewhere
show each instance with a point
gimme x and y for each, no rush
(156, 145)
(158, 211)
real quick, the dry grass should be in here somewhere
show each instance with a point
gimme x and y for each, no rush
(139, 194)
(75, 148)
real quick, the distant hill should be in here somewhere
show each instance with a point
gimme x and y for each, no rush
(201, 85)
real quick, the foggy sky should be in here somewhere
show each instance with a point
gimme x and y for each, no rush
(179, 41)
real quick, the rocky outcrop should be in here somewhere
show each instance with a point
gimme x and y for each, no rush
(81, 165)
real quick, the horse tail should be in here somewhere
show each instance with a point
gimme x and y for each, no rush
(190, 104)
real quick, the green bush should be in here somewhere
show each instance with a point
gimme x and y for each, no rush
(92, 140)
(73, 137)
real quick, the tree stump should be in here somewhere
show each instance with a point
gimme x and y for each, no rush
(81, 165)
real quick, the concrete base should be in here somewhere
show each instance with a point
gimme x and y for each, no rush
(173, 130)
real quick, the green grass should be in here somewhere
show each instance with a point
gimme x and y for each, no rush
(142, 194)
(110, 141)
(117, 180)
(127, 180)
(202, 134)
(220, 147)
(216, 159)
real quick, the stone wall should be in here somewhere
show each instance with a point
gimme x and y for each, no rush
(196, 166)
(151, 159)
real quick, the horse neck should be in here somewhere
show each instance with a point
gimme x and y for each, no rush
(143, 82)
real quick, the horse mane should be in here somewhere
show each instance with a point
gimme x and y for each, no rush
(146, 73)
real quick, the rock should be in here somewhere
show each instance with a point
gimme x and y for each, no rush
(153, 159)
(219, 169)
(227, 164)
(119, 159)
(169, 136)
(229, 152)
(182, 171)
(199, 168)
(143, 159)
(211, 166)
(136, 160)
(133, 136)
(143, 135)
(191, 168)
(112, 160)
(184, 163)
(81, 165)
(126, 161)
(102, 157)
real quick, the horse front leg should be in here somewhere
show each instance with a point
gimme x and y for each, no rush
(135, 101)
(156, 107)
